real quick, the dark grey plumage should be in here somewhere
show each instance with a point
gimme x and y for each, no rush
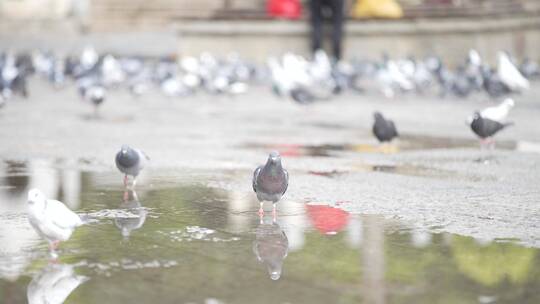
(302, 96)
(271, 247)
(486, 128)
(270, 181)
(130, 162)
(384, 129)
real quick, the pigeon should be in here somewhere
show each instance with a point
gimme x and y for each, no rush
(96, 95)
(134, 207)
(493, 84)
(500, 112)
(270, 181)
(529, 69)
(271, 247)
(510, 75)
(302, 96)
(383, 129)
(486, 128)
(51, 219)
(130, 162)
(53, 284)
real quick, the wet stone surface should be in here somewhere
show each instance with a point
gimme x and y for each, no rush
(188, 241)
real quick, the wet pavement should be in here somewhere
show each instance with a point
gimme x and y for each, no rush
(430, 219)
(188, 241)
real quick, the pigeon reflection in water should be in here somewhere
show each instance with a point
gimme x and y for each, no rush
(271, 247)
(137, 214)
(53, 284)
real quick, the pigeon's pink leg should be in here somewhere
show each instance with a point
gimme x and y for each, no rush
(125, 180)
(261, 218)
(261, 210)
(491, 143)
(126, 195)
(134, 182)
(274, 213)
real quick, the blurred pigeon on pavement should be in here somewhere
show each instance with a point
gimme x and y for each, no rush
(51, 219)
(499, 112)
(510, 75)
(130, 161)
(270, 181)
(486, 128)
(383, 129)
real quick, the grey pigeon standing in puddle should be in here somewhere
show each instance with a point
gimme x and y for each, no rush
(486, 128)
(384, 129)
(130, 161)
(270, 181)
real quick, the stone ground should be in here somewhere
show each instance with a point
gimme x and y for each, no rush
(435, 178)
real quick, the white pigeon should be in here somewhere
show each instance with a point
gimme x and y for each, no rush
(52, 220)
(53, 284)
(499, 112)
(510, 75)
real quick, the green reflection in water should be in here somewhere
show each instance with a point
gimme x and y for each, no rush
(492, 264)
(169, 260)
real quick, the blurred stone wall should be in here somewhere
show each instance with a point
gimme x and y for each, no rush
(36, 9)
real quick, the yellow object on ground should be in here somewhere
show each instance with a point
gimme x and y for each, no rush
(377, 9)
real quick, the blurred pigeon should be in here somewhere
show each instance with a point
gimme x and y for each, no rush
(51, 219)
(529, 69)
(510, 75)
(384, 129)
(302, 96)
(96, 95)
(130, 162)
(270, 181)
(499, 112)
(271, 247)
(486, 128)
(134, 207)
(53, 284)
(493, 84)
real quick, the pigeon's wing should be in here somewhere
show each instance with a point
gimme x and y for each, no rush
(393, 128)
(255, 174)
(61, 215)
(286, 181)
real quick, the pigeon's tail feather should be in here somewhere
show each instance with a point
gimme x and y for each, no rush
(509, 124)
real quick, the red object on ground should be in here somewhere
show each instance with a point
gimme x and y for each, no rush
(289, 9)
(326, 219)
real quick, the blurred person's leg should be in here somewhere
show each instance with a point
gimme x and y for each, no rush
(316, 7)
(338, 18)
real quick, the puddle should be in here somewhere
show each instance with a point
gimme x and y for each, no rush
(186, 242)
(406, 143)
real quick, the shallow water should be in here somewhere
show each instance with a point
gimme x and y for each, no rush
(181, 239)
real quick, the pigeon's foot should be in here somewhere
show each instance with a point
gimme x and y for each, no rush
(126, 195)
(261, 217)
(491, 143)
(261, 210)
